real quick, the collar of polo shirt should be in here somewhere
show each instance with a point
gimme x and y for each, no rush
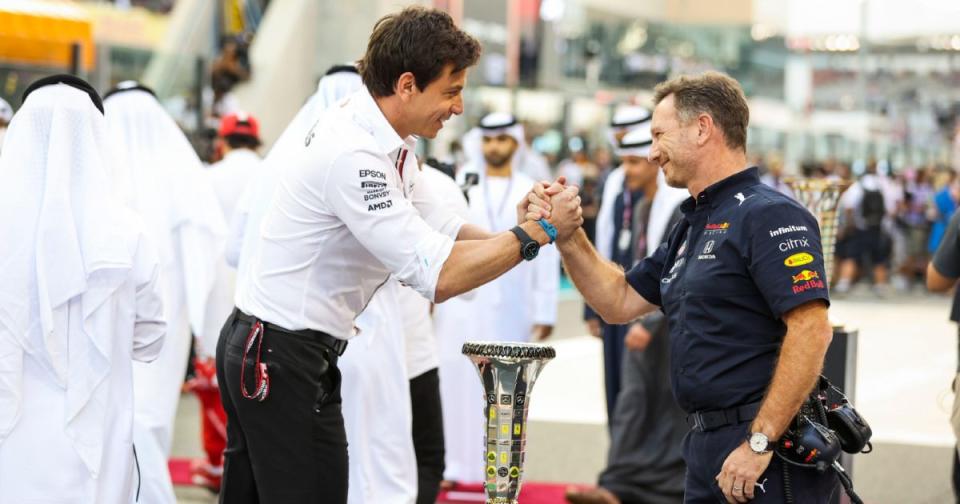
(372, 118)
(715, 194)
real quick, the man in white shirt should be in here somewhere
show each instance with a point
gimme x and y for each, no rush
(339, 224)
(522, 303)
(80, 300)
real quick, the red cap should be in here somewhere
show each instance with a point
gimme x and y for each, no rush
(240, 123)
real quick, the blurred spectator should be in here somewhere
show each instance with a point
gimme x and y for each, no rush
(230, 68)
(603, 160)
(868, 206)
(912, 220)
(581, 171)
(943, 206)
(772, 175)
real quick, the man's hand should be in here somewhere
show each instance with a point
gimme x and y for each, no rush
(565, 212)
(542, 332)
(593, 326)
(740, 472)
(638, 337)
(542, 210)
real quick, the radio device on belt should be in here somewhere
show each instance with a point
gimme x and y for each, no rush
(826, 425)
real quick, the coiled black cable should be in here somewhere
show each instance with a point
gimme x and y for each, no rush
(787, 489)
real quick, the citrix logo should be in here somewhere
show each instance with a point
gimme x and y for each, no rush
(793, 243)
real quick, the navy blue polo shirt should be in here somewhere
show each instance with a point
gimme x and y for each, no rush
(743, 255)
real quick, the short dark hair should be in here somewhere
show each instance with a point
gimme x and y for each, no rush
(242, 141)
(713, 93)
(417, 40)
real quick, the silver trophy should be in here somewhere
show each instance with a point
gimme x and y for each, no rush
(507, 371)
(822, 198)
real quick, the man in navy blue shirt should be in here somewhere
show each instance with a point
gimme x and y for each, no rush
(742, 283)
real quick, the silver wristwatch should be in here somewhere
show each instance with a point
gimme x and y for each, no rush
(759, 443)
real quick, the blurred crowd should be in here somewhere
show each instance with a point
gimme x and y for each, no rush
(892, 218)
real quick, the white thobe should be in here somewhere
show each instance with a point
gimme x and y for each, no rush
(38, 460)
(163, 180)
(376, 406)
(376, 392)
(505, 309)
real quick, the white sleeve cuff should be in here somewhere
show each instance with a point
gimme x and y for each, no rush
(423, 273)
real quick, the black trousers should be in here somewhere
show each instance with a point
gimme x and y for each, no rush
(427, 434)
(705, 453)
(292, 447)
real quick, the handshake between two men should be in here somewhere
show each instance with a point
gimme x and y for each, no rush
(558, 203)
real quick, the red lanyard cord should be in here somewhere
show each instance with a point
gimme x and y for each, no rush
(263, 379)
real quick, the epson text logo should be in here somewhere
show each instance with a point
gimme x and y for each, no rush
(787, 229)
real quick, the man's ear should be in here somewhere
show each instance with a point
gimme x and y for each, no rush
(406, 86)
(705, 128)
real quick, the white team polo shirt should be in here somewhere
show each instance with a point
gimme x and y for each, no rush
(341, 220)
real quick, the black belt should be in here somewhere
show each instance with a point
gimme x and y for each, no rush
(705, 421)
(336, 344)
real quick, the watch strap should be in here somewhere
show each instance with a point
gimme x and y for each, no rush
(549, 229)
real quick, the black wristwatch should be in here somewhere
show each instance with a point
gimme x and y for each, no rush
(529, 248)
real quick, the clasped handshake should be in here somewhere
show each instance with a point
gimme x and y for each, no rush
(558, 203)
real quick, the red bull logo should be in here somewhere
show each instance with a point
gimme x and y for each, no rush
(718, 226)
(805, 275)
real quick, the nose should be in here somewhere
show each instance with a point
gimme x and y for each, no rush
(654, 155)
(457, 107)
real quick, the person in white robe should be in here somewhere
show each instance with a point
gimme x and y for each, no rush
(526, 159)
(519, 306)
(624, 120)
(162, 178)
(80, 300)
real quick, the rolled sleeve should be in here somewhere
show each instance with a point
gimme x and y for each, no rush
(435, 198)
(366, 197)
(785, 257)
(645, 276)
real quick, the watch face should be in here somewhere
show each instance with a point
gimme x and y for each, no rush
(530, 250)
(759, 442)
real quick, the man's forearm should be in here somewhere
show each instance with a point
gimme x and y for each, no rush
(473, 263)
(797, 371)
(473, 232)
(601, 283)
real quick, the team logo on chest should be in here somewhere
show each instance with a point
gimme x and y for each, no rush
(677, 264)
(707, 253)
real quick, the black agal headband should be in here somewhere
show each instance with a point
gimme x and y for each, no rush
(70, 80)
